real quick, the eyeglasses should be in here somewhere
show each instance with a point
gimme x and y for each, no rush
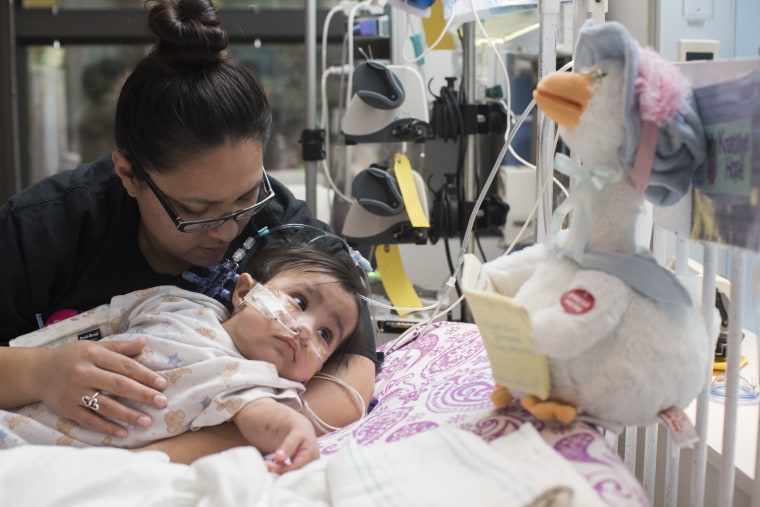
(208, 223)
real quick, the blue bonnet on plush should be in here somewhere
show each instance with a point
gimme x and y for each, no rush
(623, 337)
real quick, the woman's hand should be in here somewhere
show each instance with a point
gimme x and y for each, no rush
(67, 374)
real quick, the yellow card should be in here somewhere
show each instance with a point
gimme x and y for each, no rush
(507, 335)
(719, 367)
(434, 25)
(397, 286)
(403, 172)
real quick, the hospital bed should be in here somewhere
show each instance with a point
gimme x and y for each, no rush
(433, 437)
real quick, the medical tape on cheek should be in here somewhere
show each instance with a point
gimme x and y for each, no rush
(317, 351)
(272, 307)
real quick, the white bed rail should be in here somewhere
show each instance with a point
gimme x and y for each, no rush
(719, 470)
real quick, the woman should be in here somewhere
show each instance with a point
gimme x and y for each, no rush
(181, 190)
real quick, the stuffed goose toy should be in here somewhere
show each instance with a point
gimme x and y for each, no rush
(624, 339)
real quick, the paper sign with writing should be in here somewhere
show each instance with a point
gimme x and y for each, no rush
(726, 197)
(507, 335)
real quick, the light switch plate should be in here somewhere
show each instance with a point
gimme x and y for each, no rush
(698, 10)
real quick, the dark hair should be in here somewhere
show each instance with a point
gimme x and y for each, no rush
(312, 257)
(188, 95)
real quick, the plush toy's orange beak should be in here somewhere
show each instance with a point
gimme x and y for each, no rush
(563, 96)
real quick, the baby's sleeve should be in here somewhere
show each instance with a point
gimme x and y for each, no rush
(223, 386)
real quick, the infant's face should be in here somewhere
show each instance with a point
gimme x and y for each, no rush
(323, 312)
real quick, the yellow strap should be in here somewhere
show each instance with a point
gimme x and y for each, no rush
(393, 277)
(403, 172)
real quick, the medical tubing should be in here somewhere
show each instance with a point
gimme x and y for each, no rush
(326, 72)
(451, 282)
(350, 54)
(318, 421)
(432, 46)
(748, 393)
(491, 176)
(496, 53)
(332, 71)
(397, 308)
(272, 307)
(326, 30)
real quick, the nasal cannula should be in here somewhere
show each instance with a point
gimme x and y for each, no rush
(273, 307)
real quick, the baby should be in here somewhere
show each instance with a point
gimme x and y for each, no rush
(293, 308)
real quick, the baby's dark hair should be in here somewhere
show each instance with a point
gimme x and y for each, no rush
(316, 257)
(188, 95)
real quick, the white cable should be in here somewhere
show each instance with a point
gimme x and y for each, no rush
(350, 34)
(450, 283)
(325, 111)
(403, 337)
(544, 187)
(533, 210)
(325, 31)
(496, 53)
(332, 71)
(431, 47)
(397, 308)
(323, 426)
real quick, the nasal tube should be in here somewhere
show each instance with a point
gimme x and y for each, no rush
(272, 307)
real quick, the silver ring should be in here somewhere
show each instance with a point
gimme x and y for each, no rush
(92, 402)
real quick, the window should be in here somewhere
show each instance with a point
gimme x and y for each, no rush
(71, 62)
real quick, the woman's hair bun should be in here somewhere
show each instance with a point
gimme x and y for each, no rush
(187, 30)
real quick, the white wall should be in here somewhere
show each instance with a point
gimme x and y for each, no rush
(661, 23)
(636, 16)
(747, 37)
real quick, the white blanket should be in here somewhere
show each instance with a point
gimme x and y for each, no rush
(440, 467)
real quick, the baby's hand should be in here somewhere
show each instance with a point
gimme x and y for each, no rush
(297, 449)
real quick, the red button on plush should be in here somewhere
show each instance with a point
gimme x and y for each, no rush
(577, 301)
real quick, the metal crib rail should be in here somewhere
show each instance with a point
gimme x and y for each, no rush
(661, 474)
(733, 360)
(699, 456)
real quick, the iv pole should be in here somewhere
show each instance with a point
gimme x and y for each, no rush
(310, 44)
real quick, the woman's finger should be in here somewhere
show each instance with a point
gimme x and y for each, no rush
(91, 419)
(109, 409)
(71, 372)
(116, 376)
(123, 364)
